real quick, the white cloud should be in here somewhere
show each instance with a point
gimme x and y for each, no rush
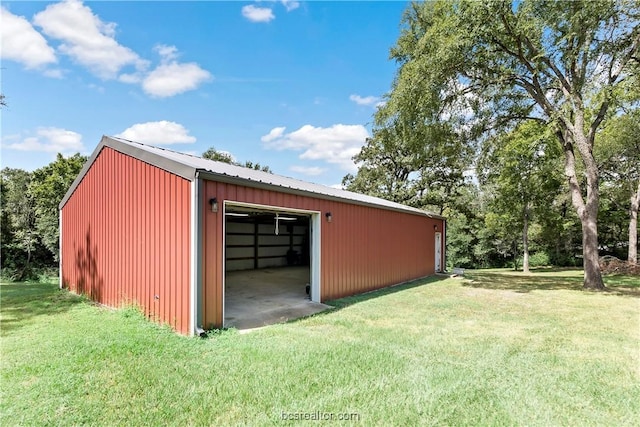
(257, 14)
(51, 140)
(274, 133)
(159, 133)
(167, 53)
(366, 100)
(290, 4)
(174, 78)
(336, 144)
(308, 170)
(22, 43)
(171, 77)
(87, 39)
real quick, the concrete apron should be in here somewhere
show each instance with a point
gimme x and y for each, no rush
(256, 298)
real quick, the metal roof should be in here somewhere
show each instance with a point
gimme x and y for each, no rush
(191, 167)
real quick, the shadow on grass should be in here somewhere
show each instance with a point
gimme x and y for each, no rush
(22, 302)
(340, 303)
(548, 279)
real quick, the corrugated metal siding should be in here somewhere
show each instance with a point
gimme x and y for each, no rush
(363, 248)
(126, 238)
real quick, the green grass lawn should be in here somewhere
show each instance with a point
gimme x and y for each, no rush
(500, 349)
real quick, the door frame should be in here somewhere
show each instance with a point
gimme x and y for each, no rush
(314, 240)
(438, 252)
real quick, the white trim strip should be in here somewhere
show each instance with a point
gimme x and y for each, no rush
(193, 268)
(60, 284)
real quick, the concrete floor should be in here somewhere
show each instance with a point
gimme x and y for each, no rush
(255, 298)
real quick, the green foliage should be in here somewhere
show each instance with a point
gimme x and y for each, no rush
(539, 259)
(521, 171)
(224, 157)
(20, 241)
(619, 157)
(30, 225)
(49, 185)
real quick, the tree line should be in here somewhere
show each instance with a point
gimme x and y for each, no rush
(29, 215)
(518, 121)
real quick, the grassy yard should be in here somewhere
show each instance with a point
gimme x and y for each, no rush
(499, 349)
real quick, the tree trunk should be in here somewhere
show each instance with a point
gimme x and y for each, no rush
(525, 240)
(592, 275)
(587, 211)
(633, 227)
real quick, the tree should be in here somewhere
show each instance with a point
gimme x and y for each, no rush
(224, 157)
(20, 239)
(218, 156)
(619, 158)
(411, 162)
(3, 103)
(520, 166)
(48, 186)
(494, 64)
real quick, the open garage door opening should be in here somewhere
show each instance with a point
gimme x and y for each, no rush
(271, 265)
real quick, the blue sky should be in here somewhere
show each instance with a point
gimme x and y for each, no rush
(288, 84)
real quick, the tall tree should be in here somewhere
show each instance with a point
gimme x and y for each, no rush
(496, 63)
(521, 168)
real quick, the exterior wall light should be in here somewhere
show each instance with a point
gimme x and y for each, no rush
(214, 204)
(435, 227)
(329, 217)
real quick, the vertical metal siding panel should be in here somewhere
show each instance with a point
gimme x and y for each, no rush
(162, 245)
(350, 249)
(149, 216)
(107, 229)
(171, 313)
(142, 244)
(175, 299)
(153, 242)
(184, 243)
(139, 224)
(241, 192)
(126, 235)
(165, 246)
(186, 313)
(113, 225)
(181, 220)
(170, 248)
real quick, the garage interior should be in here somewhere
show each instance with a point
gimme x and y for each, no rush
(267, 267)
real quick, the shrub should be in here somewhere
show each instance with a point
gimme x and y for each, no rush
(539, 259)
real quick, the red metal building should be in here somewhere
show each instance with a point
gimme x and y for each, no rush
(147, 226)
